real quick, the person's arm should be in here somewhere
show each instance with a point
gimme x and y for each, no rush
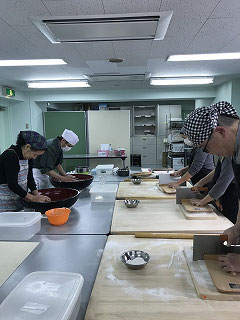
(205, 180)
(225, 178)
(233, 232)
(180, 172)
(60, 170)
(56, 176)
(184, 178)
(198, 162)
(202, 202)
(11, 169)
(30, 180)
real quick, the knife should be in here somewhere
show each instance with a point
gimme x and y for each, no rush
(211, 244)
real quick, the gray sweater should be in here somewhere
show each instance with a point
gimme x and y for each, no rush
(225, 178)
(236, 157)
(201, 160)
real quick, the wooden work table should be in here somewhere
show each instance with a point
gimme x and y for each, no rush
(161, 216)
(162, 290)
(145, 190)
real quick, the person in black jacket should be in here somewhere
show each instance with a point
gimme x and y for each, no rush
(16, 171)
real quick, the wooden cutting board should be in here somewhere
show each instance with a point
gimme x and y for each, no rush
(161, 216)
(192, 208)
(198, 215)
(143, 191)
(203, 282)
(12, 255)
(166, 189)
(162, 290)
(190, 213)
(224, 282)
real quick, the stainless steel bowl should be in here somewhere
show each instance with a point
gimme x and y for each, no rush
(135, 259)
(136, 180)
(131, 203)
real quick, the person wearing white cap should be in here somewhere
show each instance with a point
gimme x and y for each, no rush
(45, 165)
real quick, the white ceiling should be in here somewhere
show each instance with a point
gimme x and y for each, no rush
(197, 26)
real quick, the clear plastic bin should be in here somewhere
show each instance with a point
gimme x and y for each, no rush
(19, 225)
(103, 192)
(45, 295)
(104, 167)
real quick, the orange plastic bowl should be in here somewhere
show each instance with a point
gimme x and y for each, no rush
(58, 216)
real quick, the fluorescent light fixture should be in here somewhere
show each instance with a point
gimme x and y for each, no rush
(180, 81)
(205, 56)
(58, 84)
(31, 62)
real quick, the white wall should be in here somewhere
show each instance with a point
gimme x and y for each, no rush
(224, 92)
(203, 102)
(109, 127)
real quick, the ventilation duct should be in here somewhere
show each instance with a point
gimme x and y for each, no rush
(114, 27)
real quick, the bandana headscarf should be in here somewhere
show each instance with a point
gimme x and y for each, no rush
(36, 140)
(198, 126)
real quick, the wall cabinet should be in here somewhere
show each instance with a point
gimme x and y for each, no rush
(145, 120)
(150, 125)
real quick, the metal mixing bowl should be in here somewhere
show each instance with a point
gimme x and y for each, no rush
(129, 256)
(131, 203)
(136, 180)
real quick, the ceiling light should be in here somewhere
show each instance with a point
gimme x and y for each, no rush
(105, 27)
(117, 77)
(58, 84)
(30, 62)
(205, 56)
(115, 60)
(180, 81)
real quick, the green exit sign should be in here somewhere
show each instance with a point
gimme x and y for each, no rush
(8, 92)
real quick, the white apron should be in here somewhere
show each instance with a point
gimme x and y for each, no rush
(41, 180)
(10, 201)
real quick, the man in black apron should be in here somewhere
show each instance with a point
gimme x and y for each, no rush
(221, 189)
(216, 129)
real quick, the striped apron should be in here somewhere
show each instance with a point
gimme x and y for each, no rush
(9, 201)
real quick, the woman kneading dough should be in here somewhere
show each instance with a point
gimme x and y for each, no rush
(16, 171)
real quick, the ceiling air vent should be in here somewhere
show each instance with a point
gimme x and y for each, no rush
(116, 77)
(109, 27)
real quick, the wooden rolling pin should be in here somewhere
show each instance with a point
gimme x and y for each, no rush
(163, 235)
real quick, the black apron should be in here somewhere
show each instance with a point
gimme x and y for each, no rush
(229, 200)
(236, 170)
(201, 174)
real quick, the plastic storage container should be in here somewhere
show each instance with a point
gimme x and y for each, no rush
(103, 192)
(19, 225)
(104, 167)
(46, 296)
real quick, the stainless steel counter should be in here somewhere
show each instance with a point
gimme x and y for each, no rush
(110, 178)
(85, 218)
(66, 253)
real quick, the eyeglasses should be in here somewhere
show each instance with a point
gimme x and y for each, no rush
(204, 149)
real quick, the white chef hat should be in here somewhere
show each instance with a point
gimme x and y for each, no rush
(70, 137)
